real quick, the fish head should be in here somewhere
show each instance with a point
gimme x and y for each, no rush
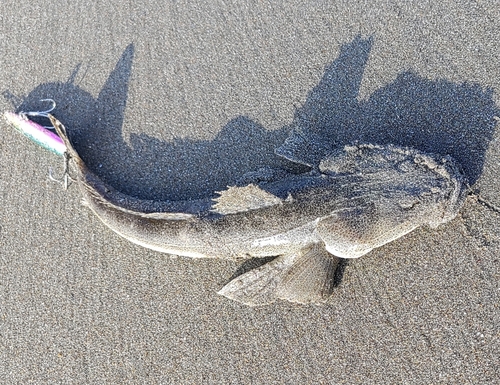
(454, 191)
(384, 192)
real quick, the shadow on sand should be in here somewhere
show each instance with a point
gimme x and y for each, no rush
(433, 116)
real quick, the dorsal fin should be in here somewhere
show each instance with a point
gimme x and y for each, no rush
(161, 216)
(306, 149)
(240, 199)
(97, 197)
(108, 196)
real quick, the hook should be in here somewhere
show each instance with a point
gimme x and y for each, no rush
(66, 178)
(43, 114)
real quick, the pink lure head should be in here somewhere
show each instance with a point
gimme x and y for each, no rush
(36, 133)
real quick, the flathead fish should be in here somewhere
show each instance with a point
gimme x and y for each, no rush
(356, 199)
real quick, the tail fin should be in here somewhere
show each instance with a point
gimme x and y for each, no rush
(61, 131)
(304, 277)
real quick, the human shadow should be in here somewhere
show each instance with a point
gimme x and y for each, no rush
(436, 116)
(149, 168)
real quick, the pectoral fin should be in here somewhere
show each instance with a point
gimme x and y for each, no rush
(349, 233)
(304, 277)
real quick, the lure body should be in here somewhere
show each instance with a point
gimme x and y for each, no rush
(36, 133)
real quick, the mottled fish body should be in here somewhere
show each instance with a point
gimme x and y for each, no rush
(356, 199)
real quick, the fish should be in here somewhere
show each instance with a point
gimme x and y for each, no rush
(357, 198)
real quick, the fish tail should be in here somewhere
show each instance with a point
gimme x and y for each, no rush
(303, 277)
(61, 131)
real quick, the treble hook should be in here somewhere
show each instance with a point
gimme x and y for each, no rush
(43, 114)
(66, 178)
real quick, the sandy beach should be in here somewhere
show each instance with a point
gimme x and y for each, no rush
(177, 100)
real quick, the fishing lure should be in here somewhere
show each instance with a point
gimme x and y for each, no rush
(34, 131)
